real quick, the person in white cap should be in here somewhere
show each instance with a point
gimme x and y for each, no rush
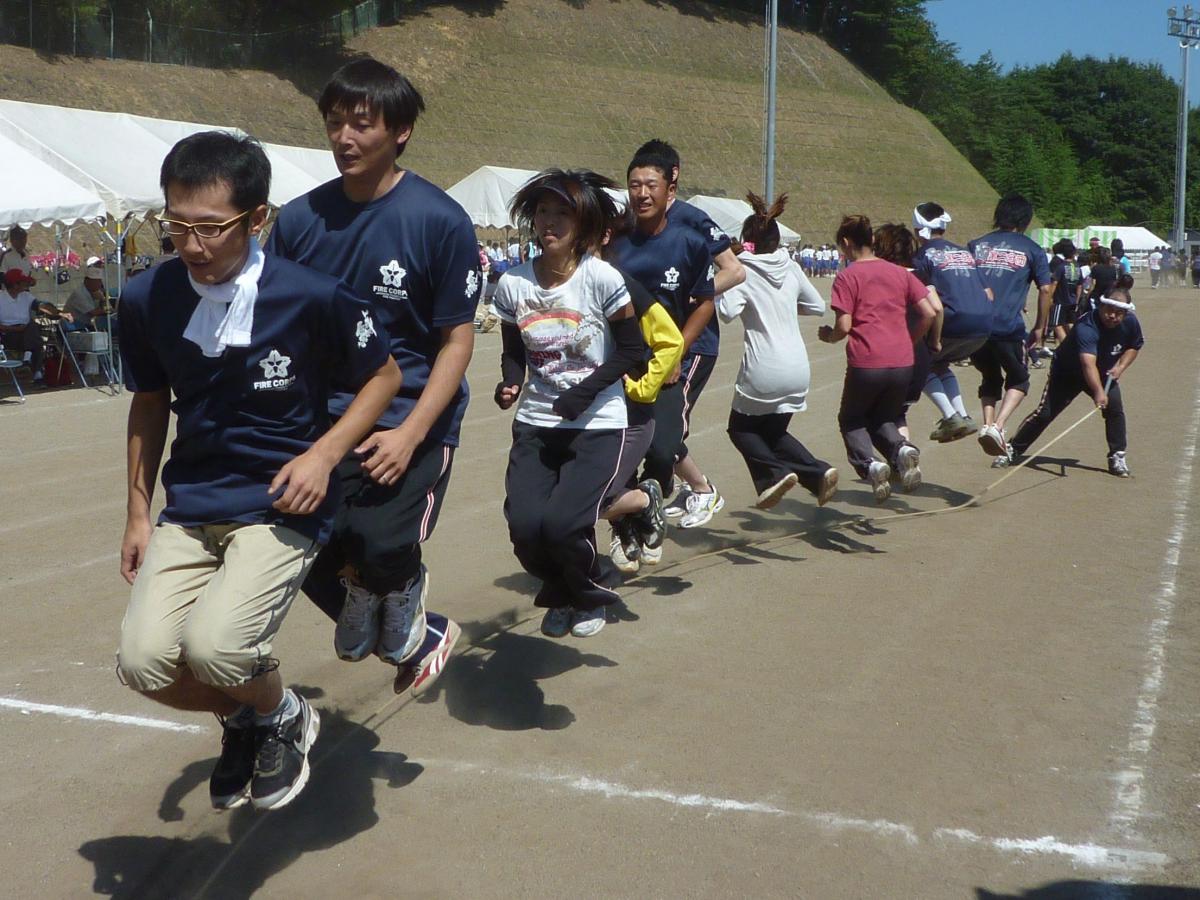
(87, 300)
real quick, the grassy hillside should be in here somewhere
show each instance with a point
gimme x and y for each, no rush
(533, 83)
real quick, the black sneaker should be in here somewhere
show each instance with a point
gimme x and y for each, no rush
(651, 524)
(281, 766)
(229, 784)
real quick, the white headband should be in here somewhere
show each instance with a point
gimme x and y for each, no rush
(1120, 304)
(926, 227)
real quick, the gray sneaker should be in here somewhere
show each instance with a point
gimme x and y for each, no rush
(1118, 466)
(357, 629)
(402, 625)
(1005, 459)
(828, 487)
(908, 461)
(678, 506)
(952, 428)
(771, 496)
(879, 474)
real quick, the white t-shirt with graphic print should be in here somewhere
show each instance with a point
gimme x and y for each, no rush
(567, 337)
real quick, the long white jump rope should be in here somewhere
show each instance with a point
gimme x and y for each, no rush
(378, 717)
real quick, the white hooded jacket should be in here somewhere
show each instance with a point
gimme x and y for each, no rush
(774, 376)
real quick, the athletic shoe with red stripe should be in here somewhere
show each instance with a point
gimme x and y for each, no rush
(419, 674)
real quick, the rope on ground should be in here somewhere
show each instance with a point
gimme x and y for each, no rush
(857, 521)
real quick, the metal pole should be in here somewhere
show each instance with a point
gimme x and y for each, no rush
(1181, 154)
(30, 24)
(772, 59)
(150, 37)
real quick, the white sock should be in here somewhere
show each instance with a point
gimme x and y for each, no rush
(937, 393)
(950, 383)
(288, 707)
(28, 357)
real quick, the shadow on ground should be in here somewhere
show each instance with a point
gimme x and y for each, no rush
(1053, 465)
(337, 805)
(495, 683)
(1095, 890)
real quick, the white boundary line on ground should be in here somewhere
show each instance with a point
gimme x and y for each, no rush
(76, 712)
(1130, 779)
(1120, 860)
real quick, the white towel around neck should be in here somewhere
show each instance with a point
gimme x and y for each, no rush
(225, 313)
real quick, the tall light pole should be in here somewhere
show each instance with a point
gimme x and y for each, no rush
(1186, 28)
(772, 59)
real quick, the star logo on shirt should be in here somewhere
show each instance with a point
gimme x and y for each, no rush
(275, 365)
(672, 276)
(392, 274)
(715, 233)
(712, 273)
(472, 283)
(365, 330)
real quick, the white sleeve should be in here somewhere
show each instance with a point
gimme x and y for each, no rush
(614, 295)
(731, 303)
(809, 300)
(504, 302)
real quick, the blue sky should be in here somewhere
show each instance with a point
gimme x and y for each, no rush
(1027, 32)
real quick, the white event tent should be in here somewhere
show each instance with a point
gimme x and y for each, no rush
(729, 214)
(32, 192)
(117, 156)
(486, 193)
(63, 165)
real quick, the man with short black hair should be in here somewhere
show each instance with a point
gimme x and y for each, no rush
(241, 348)
(672, 262)
(403, 244)
(728, 273)
(1008, 262)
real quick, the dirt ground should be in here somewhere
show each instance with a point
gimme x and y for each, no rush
(998, 702)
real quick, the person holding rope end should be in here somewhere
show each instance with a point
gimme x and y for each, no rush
(872, 298)
(1100, 348)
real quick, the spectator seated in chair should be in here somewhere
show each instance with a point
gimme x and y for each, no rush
(87, 300)
(20, 333)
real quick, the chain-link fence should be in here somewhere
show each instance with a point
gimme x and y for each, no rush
(108, 36)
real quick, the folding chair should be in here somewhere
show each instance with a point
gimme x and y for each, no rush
(12, 365)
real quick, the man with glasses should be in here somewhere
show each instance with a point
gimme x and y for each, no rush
(246, 344)
(404, 245)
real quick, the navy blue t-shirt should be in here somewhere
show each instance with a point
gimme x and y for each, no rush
(683, 213)
(410, 253)
(1066, 277)
(1008, 262)
(951, 270)
(674, 266)
(242, 415)
(1090, 336)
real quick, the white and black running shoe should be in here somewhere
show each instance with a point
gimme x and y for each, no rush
(281, 765)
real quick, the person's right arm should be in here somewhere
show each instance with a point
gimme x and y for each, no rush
(1091, 377)
(831, 334)
(146, 437)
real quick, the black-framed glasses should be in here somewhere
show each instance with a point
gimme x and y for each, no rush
(173, 228)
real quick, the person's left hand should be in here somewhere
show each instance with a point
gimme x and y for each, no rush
(304, 480)
(388, 453)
